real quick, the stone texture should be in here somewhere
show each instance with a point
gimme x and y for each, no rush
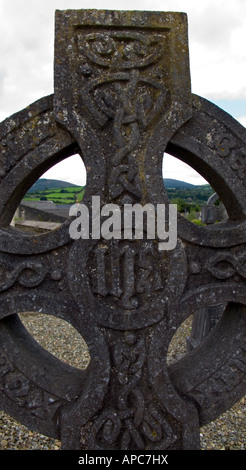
(122, 97)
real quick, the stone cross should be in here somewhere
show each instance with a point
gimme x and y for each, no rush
(121, 98)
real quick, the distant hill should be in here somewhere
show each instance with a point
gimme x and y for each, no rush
(44, 183)
(170, 183)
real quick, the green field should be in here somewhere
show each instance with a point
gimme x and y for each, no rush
(66, 195)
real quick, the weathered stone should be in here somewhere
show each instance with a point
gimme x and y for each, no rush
(205, 319)
(212, 213)
(122, 97)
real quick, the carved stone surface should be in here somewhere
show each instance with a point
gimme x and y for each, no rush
(122, 97)
(206, 318)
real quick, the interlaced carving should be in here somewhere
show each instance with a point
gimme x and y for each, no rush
(228, 147)
(121, 49)
(143, 423)
(23, 392)
(122, 97)
(117, 97)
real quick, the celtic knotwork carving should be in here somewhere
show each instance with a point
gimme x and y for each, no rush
(225, 265)
(122, 97)
(118, 97)
(228, 148)
(125, 105)
(120, 49)
(25, 395)
(27, 273)
(142, 423)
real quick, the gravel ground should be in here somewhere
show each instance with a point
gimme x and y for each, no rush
(228, 432)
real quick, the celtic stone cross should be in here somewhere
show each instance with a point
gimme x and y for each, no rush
(122, 97)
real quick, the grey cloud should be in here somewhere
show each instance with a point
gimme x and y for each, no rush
(2, 78)
(214, 27)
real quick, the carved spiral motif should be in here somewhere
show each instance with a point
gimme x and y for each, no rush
(124, 50)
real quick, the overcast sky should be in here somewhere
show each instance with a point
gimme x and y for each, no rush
(217, 44)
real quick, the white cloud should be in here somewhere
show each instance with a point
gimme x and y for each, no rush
(242, 120)
(62, 171)
(176, 169)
